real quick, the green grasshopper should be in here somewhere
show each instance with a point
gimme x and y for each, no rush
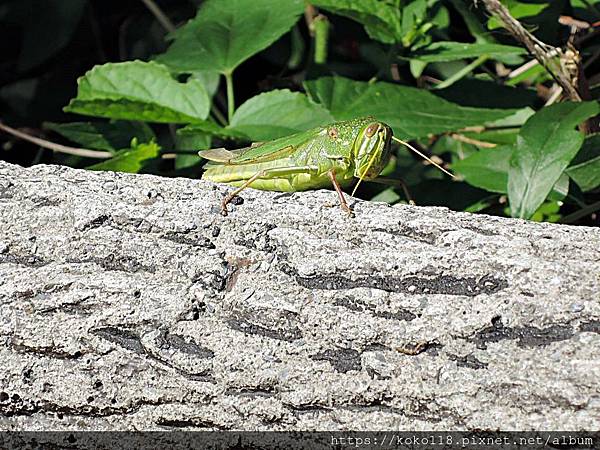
(326, 156)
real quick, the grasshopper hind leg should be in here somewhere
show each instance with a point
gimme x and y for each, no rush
(229, 197)
(279, 172)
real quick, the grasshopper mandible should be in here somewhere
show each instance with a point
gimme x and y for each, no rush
(326, 156)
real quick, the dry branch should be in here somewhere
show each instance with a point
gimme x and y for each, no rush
(544, 53)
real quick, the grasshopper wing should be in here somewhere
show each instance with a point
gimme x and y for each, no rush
(257, 153)
(218, 155)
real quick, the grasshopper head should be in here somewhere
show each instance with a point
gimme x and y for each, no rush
(371, 150)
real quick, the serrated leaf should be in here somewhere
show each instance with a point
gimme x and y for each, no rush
(225, 33)
(382, 21)
(452, 51)
(389, 21)
(411, 112)
(111, 136)
(139, 90)
(585, 168)
(278, 113)
(545, 146)
(130, 160)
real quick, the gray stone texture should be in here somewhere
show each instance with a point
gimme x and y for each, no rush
(128, 302)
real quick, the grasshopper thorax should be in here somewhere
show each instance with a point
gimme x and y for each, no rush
(371, 150)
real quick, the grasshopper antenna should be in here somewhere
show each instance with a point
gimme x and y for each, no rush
(422, 155)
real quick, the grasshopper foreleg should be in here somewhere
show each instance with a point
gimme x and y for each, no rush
(340, 193)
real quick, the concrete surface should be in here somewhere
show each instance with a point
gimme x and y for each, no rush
(128, 302)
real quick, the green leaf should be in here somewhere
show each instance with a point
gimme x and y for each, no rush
(297, 49)
(139, 90)
(387, 196)
(209, 79)
(518, 10)
(548, 212)
(188, 145)
(488, 94)
(472, 21)
(536, 73)
(560, 189)
(382, 21)
(545, 146)
(278, 113)
(585, 168)
(212, 129)
(389, 21)
(517, 119)
(452, 51)
(503, 131)
(499, 137)
(487, 169)
(411, 112)
(474, 24)
(130, 160)
(539, 16)
(268, 116)
(227, 32)
(588, 10)
(417, 68)
(111, 136)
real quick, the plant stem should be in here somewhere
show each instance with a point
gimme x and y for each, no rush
(230, 95)
(462, 72)
(468, 140)
(84, 152)
(218, 115)
(321, 30)
(159, 15)
(581, 213)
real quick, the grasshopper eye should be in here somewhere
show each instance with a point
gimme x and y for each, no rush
(371, 130)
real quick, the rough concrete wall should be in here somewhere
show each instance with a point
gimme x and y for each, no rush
(129, 302)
